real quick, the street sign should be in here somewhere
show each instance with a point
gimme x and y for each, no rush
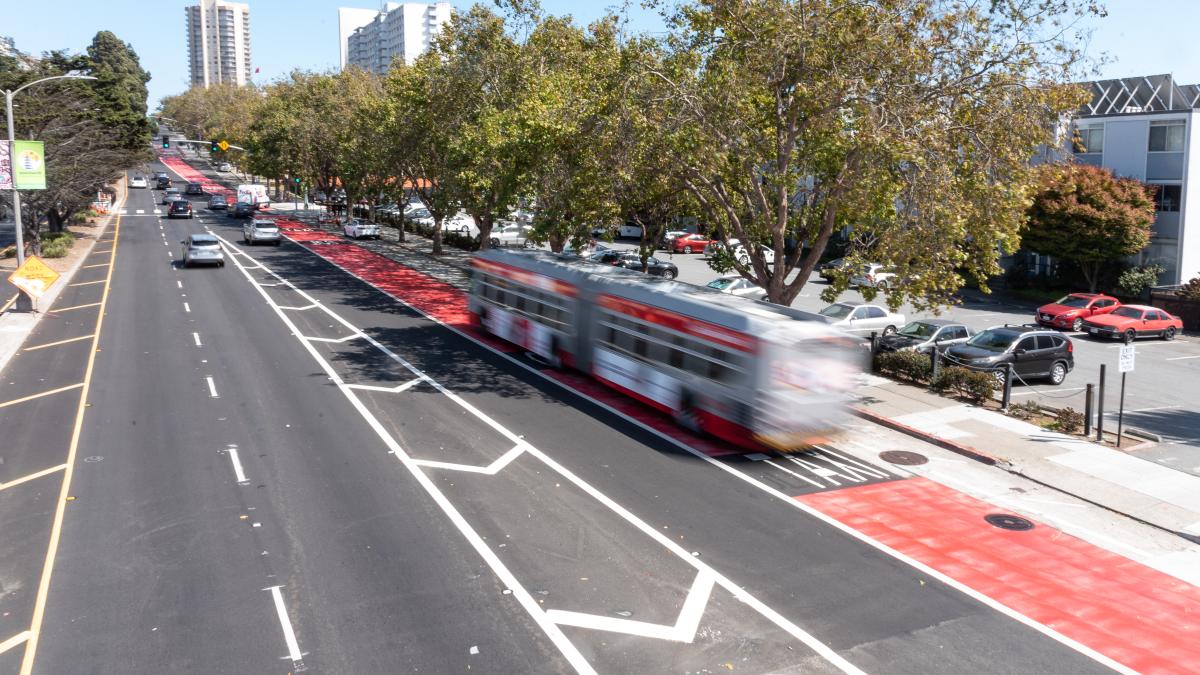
(33, 276)
(223, 145)
(6, 182)
(29, 165)
(1125, 360)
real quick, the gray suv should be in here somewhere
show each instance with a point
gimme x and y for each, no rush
(1035, 353)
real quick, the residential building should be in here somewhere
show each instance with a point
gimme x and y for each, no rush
(1141, 127)
(399, 30)
(218, 35)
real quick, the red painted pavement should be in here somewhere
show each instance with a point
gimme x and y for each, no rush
(191, 175)
(1131, 613)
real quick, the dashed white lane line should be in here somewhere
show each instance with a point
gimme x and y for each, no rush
(238, 472)
(212, 388)
(196, 339)
(289, 635)
(187, 307)
(178, 283)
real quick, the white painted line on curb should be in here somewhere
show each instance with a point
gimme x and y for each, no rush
(237, 465)
(212, 388)
(196, 338)
(289, 635)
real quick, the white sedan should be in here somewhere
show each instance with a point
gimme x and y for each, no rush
(361, 229)
(512, 234)
(137, 182)
(735, 284)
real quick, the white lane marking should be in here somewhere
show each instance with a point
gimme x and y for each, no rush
(823, 650)
(212, 388)
(289, 635)
(684, 629)
(793, 473)
(299, 309)
(1182, 358)
(1057, 390)
(1143, 343)
(187, 307)
(387, 390)
(178, 283)
(1140, 410)
(14, 641)
(334, 340)
(157, 211)
(237, 465)
(196, 338)
(794, 503)
(489, 470)
(140, 211)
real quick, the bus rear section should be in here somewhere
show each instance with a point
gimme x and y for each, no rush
(531, 310)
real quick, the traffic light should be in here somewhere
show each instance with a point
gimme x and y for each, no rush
(296, 180)
(213, 145)
(166, 141)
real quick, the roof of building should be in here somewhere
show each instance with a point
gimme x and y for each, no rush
(1140, 95)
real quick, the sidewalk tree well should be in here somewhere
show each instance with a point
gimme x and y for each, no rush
(1089, 216)
(910, 122)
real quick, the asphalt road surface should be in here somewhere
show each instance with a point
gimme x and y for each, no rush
(280, 468)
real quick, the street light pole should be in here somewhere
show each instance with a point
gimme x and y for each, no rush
(24, 302)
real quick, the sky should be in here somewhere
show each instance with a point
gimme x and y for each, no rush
(1138, 37)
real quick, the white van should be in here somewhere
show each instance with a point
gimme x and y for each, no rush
(254, 194)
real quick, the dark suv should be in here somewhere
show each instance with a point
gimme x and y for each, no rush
(1033, 351)
(195, 189)
(162, 182)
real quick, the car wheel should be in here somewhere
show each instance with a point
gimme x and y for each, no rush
(1058, 372)
(882, 285)
(1169, 334)
(890, 330)
(1077, 325)
(668, 274)
(245, 241)
(745, 260)
(1130, 336)
(687, 249)
(494, 242)
(528, 244)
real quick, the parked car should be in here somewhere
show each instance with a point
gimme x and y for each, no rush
(670, 236)
(862, 319)
(419, 216)
(1033, 352)
(171, 195)
(460, 223)
(361, 229)
(512, 234)
(827, 270)
(691, 243)
(202, 248)
(1130, 322)
(739, 251)
(654, 266)
(874, 275)
(261, 229)
(241, 210)
(180, 208)
(218, 203)
(225, 167)
(195, 189)
(138, 182)
(925, 335)
(735, 284)
(607, 256)
(1070, 311)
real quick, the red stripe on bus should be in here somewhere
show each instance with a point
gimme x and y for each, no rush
(704, 330)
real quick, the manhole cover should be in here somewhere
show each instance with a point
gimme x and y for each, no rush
(903, 457)
(1007, 521)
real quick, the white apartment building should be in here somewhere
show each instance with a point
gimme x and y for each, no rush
(1141, 127)
(399, 30)
(218, 42)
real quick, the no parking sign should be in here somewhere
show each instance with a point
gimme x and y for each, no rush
(1125, 361)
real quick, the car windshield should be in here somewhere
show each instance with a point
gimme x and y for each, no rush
(837, 311)
(721, 284)
(1128, 312)
(919, 329)
(992, 340)
(1073, 301)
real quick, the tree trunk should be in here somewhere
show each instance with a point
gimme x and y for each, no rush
(1091, 273)
(437, 236)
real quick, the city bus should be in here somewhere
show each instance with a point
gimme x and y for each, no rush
(751, 373)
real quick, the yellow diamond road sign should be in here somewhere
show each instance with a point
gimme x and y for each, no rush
(33, 276)
(223, 145)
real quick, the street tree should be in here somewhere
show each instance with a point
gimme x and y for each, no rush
(1089, 216)
(907, 122)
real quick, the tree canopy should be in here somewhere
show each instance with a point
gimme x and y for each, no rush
(1088, 215)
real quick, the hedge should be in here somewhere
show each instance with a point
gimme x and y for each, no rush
(911, 366)
(973, 385)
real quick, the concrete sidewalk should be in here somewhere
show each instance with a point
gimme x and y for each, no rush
(1115, 480)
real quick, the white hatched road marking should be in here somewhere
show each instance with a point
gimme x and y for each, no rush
(552, 630)
(794, 503)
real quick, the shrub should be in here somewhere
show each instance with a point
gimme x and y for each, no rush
(1137, 279)
(56, 248)
(8, 252)
(1069, 421)
(1025, 410)
(907, 365)
(55, 236)
(1191, 290)
(78, 218)
(975, 386)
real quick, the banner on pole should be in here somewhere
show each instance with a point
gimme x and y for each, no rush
(6, 180)
(29, 165)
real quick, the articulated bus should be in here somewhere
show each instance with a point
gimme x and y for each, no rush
(754, 374)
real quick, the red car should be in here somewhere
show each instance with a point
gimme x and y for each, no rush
(1069, 312)
(692, 243)
(1130, 322)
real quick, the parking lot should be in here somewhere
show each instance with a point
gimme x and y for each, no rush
(1159, 393)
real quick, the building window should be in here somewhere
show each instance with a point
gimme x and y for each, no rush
(1089, 138)
(1167, 197)
(1166, 136)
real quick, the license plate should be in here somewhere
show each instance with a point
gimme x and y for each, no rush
(1093, 331)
